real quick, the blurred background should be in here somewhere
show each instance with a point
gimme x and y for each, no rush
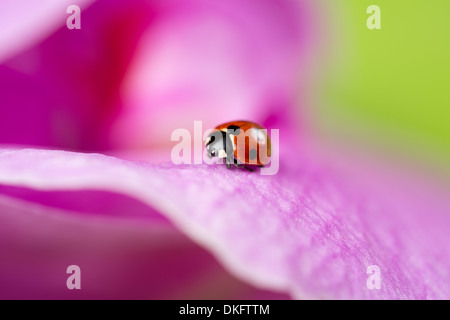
(121, 81)
(384, 92)
(139, 69)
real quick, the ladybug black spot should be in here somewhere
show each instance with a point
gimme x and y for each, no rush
(235, 130)
(252, 154)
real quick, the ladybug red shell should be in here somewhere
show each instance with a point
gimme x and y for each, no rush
(240, 143)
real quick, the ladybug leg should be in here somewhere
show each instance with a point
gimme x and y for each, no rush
(227, 161)
(237, 164)
(228, 146)
(241, 165)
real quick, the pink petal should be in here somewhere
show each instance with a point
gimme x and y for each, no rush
(25, 22)
(214, 60)
(118, 259)
(62, 92)
(138, 69)
(309, 232)
(125, 250)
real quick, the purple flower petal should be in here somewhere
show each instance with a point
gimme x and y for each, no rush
(309, 232)
(26, 22)
(138, 69)
(124, 248)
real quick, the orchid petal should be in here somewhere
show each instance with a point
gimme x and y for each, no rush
(125, 250)
(25, 22)
(310, 232)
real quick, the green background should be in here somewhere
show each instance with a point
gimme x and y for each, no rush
(387, 92)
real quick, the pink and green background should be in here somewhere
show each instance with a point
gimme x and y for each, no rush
(85, 173)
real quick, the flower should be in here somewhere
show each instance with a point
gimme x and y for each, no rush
(153, 229)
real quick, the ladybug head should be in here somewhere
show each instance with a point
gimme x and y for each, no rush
(216, 144)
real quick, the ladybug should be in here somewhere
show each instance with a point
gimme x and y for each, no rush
(241, 143)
